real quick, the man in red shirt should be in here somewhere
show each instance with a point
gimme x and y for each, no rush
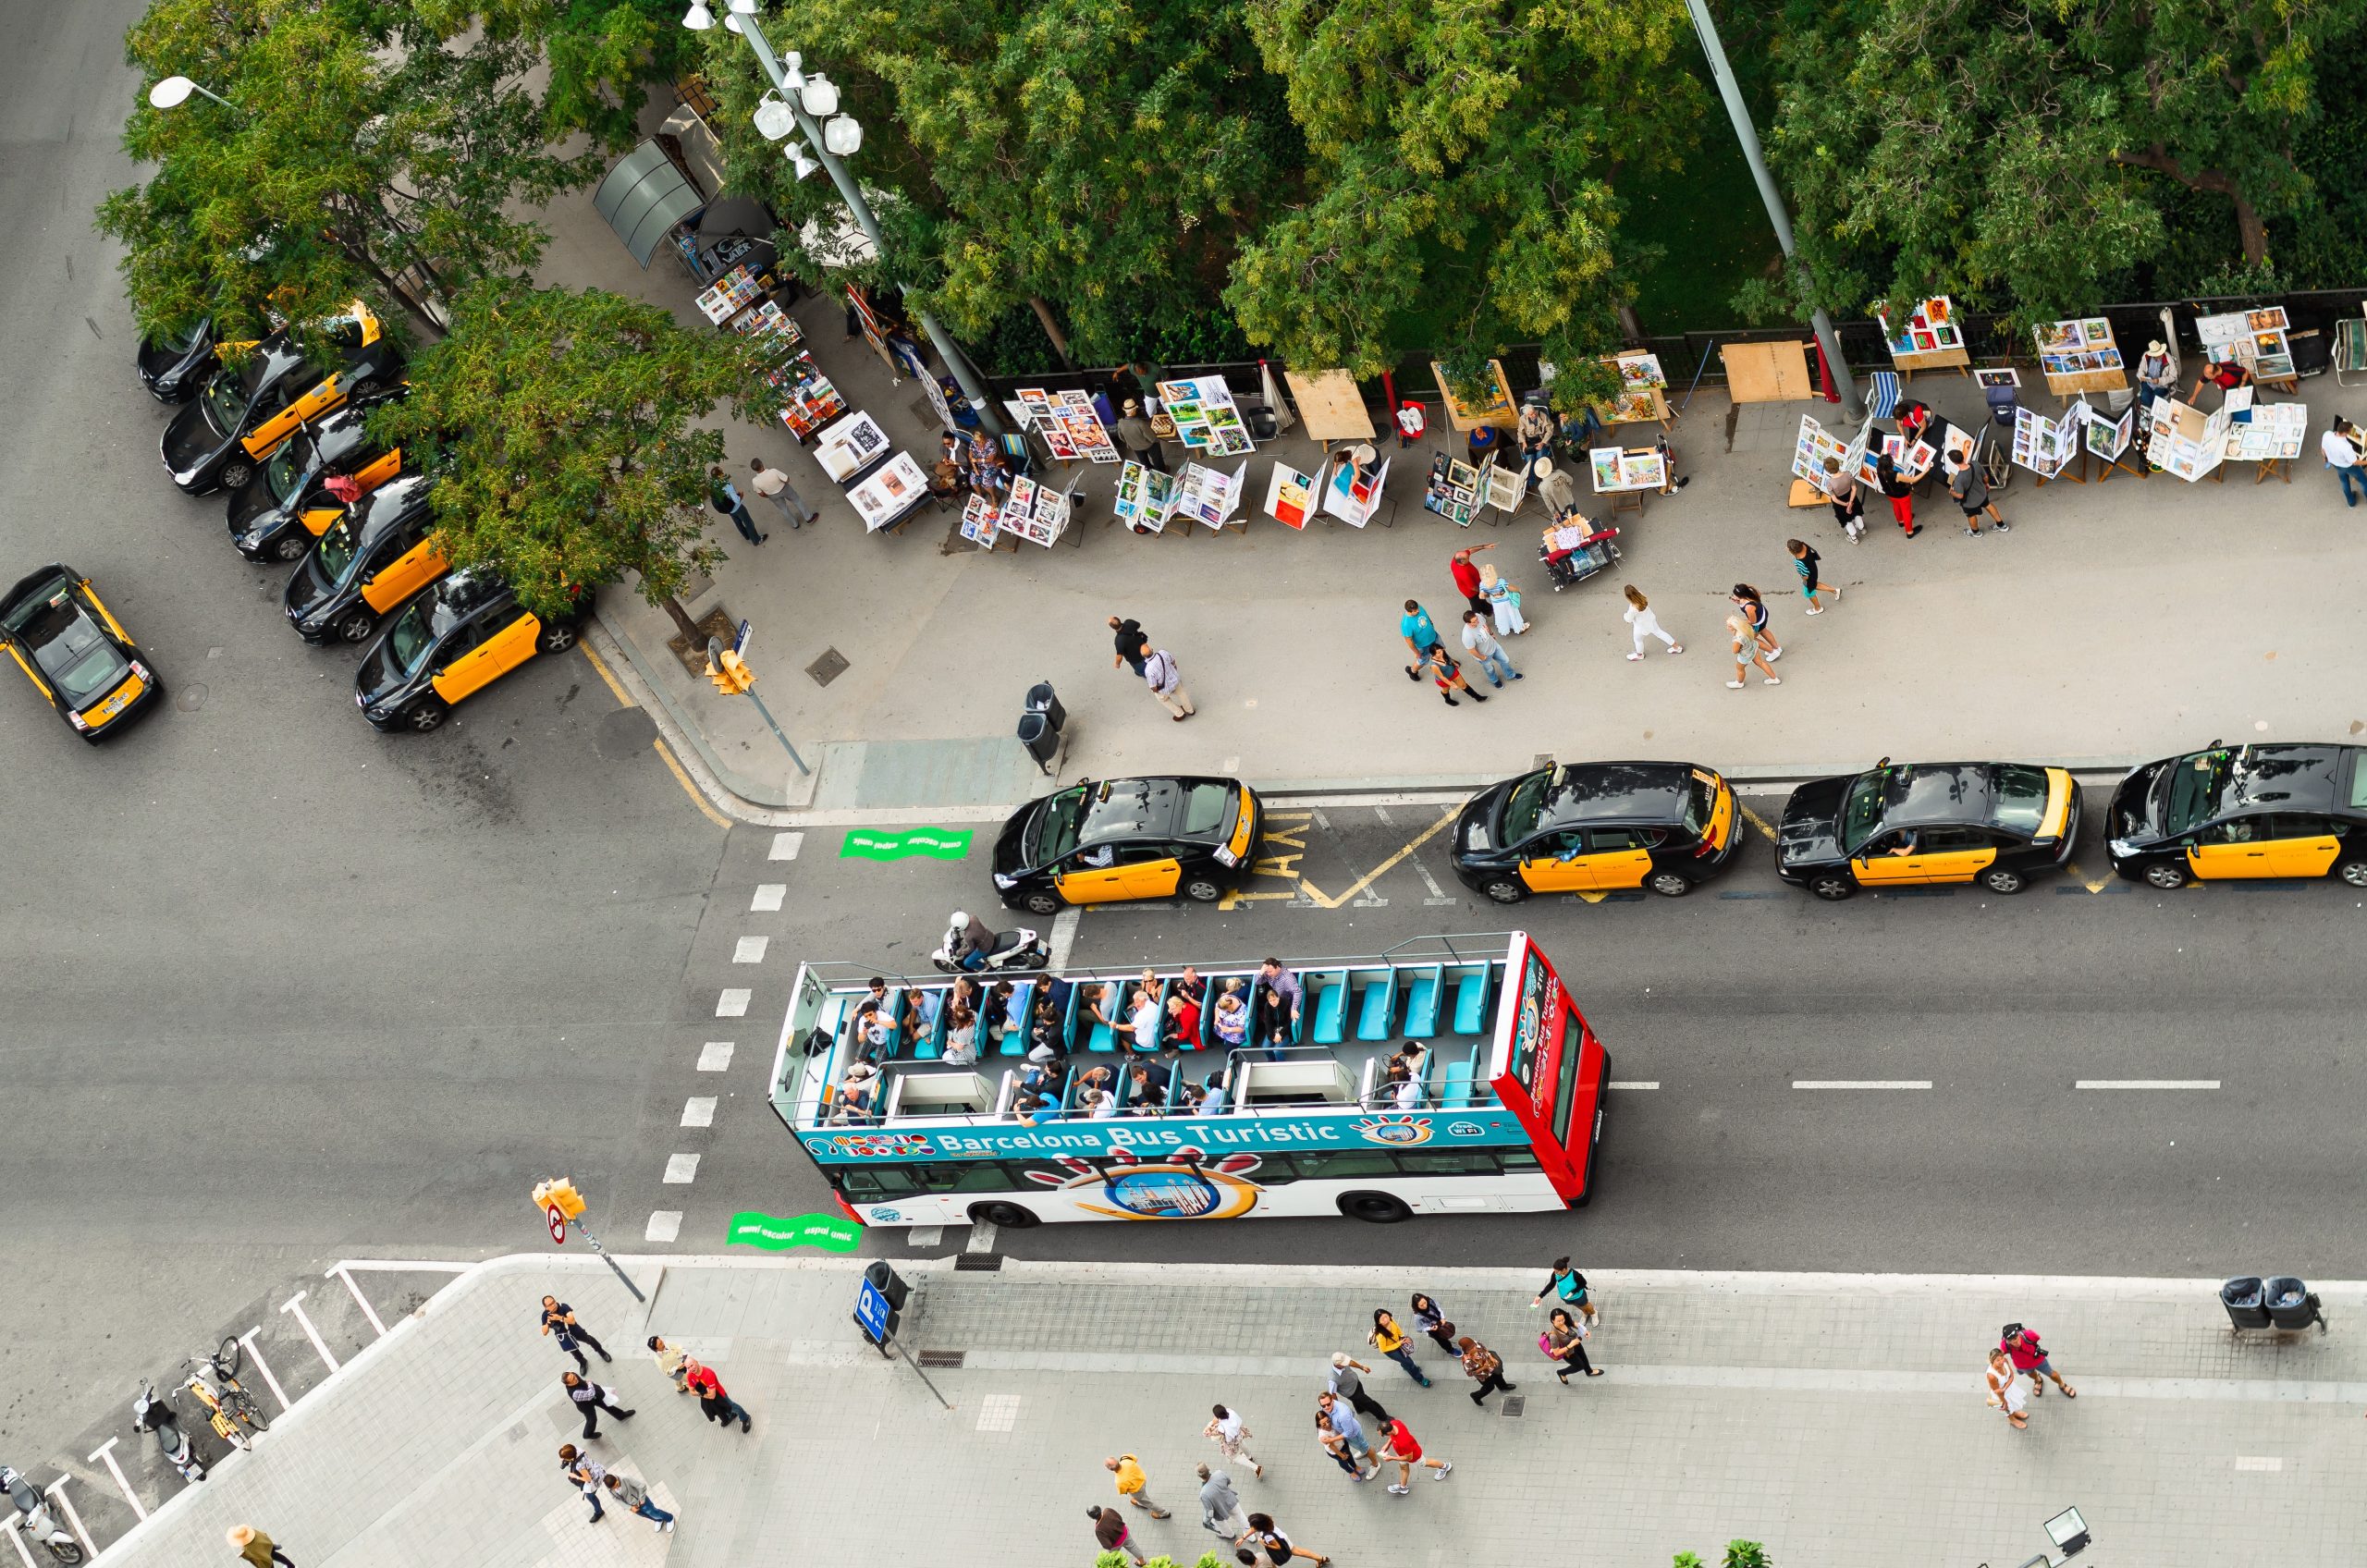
(714, 1404)
(1467, 576)
(2022, 1348)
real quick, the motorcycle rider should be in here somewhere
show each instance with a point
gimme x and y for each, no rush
(967, 940)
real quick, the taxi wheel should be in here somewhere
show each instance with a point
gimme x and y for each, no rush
(290, 548)
(234, 475)
(356, 624)
(1202, 889)
(361, 389)
(430, 714)
(1832, 888)
(2167, 874)
(556, 638)
(1999, 879)
(1669, 884)
(1042, 902)
(1504, 890)
(2353, 872)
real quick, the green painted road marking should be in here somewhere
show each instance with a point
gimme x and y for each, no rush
(825, 1231)
(945, 843)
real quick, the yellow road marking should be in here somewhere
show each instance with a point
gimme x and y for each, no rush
(1591, 898)
(2096, 887)
(1370, 877)
(601, 668)
(1296, 843)
(1233, 900)
(1277, 866)
(1754, 818)
(1290, 816)
(684, 780)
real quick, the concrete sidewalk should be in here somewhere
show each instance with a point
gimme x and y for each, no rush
(2120, 620)
(1835, 1418)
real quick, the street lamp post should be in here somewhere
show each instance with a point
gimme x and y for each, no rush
(1746, 133)
(843, 133)
(174, 91)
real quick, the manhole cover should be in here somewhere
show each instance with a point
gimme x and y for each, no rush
(190, 698)
(1513, 1405)
(624, 732)
(828, 668)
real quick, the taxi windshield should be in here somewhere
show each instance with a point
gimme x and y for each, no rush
(1861, 814)
(1054, 831)
(410, 637)
(226, 395)
(1524, 805)
(286, 467)
(2020, 795)
(338, 548)
(1700, 804)
(2198, 784)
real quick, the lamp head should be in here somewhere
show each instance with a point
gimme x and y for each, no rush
(171, 93)
(698, 18)
(798, 163)
(774, 117)
(820, 96)
(841, 136)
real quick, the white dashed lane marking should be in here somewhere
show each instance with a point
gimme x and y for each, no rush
(2146, 1084)
(665, 1225)
(750, 950)
(768, 898)
(733, 1003)
(1633, 1084)
(716, 1057)
(681, 1170)
(1861, 1083)
(786, 845)
(699, 1111)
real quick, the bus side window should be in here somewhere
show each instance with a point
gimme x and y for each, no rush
(971, 1176)
(1517, 1159)
(1449, 1162)
(864, 1183)
(1342, 1164)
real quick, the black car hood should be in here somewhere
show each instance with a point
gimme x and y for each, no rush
(1007, 857)
(2136, 811)
(1479, 814)
(189, 440)
(1810, 828)
(377, 679)
(308, 586)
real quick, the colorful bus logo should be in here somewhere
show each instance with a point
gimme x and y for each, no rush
(1399, 1130)
(882, 1146)
(1178, 1186)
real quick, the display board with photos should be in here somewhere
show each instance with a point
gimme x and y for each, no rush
(809, 401)
(769, 324)
(2274, 430)
(1036, 513)
(1353, 500)
(1454, 489)
(888, 491)
(2260, 340)
(979, 520)
(1506, 488)
(731, 293)
(1814, 445)
(1144, 497)
(1068, 424)
(2080, 355)
(1642, 394)
(845, 447)
(2185, 441)
(1206, 495)
(1205, 419)
(1290, 496)
(2045, 446)
(1929, 335)
(2107, 438)
(1911, 463)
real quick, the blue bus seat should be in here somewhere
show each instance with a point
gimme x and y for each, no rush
(1376, 1004)
(1014, 1039)
(1422, 1001)
(1471, 1002)
(1165, 988)
(1331, 1007)
(1457, 1094)
(931, 1045)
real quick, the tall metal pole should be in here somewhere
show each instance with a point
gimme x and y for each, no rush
(1747, 134)
(851, 194)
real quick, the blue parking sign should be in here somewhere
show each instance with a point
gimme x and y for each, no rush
(871, 1312)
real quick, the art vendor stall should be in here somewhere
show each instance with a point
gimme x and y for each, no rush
(1036, 513)
(883, 485)
(2046, 447)
(1066, 423)
(1627, 474)
(1208, 496)
(2188, 442)
(1809, 451)
(1290, 494)
(812, 401)
(1496, 409)
(1353, 500)
(2259, 340)
(2080, 356)
(1454, 491)
(2109, 440)
(1643, 391)
(1206, 418)
(1929, 337)
(2269, 435)
(1145, 499)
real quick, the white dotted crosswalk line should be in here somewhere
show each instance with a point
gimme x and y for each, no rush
(681, 1170)
(786, 845)
(1064, 937)
(699, 1111)
(665, 1225)
(733, 1003)
(716, 1057)
(750, 950)
(768, 898)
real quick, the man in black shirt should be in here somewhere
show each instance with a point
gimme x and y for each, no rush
(1133, 646)
(559, 1319)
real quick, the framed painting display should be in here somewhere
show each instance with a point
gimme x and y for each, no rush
(2080, 355)
(1929, 335)
(1206, 418)
(1290, 496)
(1454, 490)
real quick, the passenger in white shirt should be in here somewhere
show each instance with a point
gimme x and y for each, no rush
(2341, 445)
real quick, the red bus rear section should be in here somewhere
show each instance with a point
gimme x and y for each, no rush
(1550, 1069)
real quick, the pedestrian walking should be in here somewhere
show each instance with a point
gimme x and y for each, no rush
(1566, 1284)
(591, 1398)
(1848, 498)
(1420, 636)
(1232, 1435)
(1439, 666)
(2006, 1389)
(1109, 1529)
(1754, 605)
(1901, 494)
(1484, 1367)
(725, 498)
(1390, 1340)
(256, 1547)
(1132, 647)
(774, 486)
(584, 1473)
(1503, 601)
(559, 1319)
(1431, 1321)
(1132, 1484)
(1645, 624)
(1220, 1505)
(1165, 679)
(634, 1495)
(1466, 575)
(1804, 562)
(1404, 1452)
(1411, 422)
(1971, 492)
(1482, 645)
(714, 1404)
(2021, 1347)
(1565, 1340)
(1335, 1443)
(2343, 448)
(1745, 641)
(1278, 1546)
(671, 1362)
(1344, 1421)
(1347, 1381)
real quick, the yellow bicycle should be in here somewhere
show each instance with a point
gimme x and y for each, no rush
(229, 1409)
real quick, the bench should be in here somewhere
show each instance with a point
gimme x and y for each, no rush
(1458, 1090)
(1014, 1039)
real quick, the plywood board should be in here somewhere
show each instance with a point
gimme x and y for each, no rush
(1501, 413)
(1767, 372)
(1331, 406)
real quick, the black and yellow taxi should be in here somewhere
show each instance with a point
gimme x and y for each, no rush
(174, 365)
(2243, 812)
(1105, 840)
(1915, 823)
(241, 415)
(1577, 827)
(296, 494)
(451, 641)
(75, 651)
(380, 552)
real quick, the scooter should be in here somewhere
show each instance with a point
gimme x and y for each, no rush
(1017, 949)
(150, 1414)
(38, 1525)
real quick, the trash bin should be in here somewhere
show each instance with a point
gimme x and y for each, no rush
(1043, 743)
(2290, 1302)
(2001, 400)
(2242, 1297)
(1042, 699)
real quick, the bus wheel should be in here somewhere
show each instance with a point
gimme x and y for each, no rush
(1374, 1208)
(1003, 1215)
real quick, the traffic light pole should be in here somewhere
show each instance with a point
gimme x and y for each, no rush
(719, 660)
(624, 1278)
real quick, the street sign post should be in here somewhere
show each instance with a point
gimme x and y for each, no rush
(563, 1206)
(557, 1218)
(874, 1314)
(871, 1314)
(740, 642)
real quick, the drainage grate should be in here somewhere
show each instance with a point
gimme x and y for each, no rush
(1513, 1405)
(828, 668)
(950, 1360)
(989, 1261)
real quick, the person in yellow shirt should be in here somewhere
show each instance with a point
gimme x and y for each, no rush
(1390, 1340)
(1132, 1484)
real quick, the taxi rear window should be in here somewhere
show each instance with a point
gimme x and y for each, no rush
(2359, 780)
(2021, 798)
(1205, 808)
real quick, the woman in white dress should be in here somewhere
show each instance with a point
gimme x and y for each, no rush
(1503, 601)
(1647, 624)
(2006, 1389)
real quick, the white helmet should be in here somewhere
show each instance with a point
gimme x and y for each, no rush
(961, 918)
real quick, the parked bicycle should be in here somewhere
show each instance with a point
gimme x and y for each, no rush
(230, 1409)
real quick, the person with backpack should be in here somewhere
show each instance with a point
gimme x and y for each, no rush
(1565, 1340)
(2029, 1358)
(1484, 1367)
(1567, 1284)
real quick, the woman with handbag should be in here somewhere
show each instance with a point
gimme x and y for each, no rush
(1390, 1340)
(2006, 1389)
(1484, 1367)
(1503, 601)
(1565, 1340)
(1428, 1319)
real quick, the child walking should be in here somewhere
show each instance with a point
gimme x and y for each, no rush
(1804, 560)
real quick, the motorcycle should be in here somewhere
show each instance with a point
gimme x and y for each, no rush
(150, 1414)
(1017, 949)
(38, 1525)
